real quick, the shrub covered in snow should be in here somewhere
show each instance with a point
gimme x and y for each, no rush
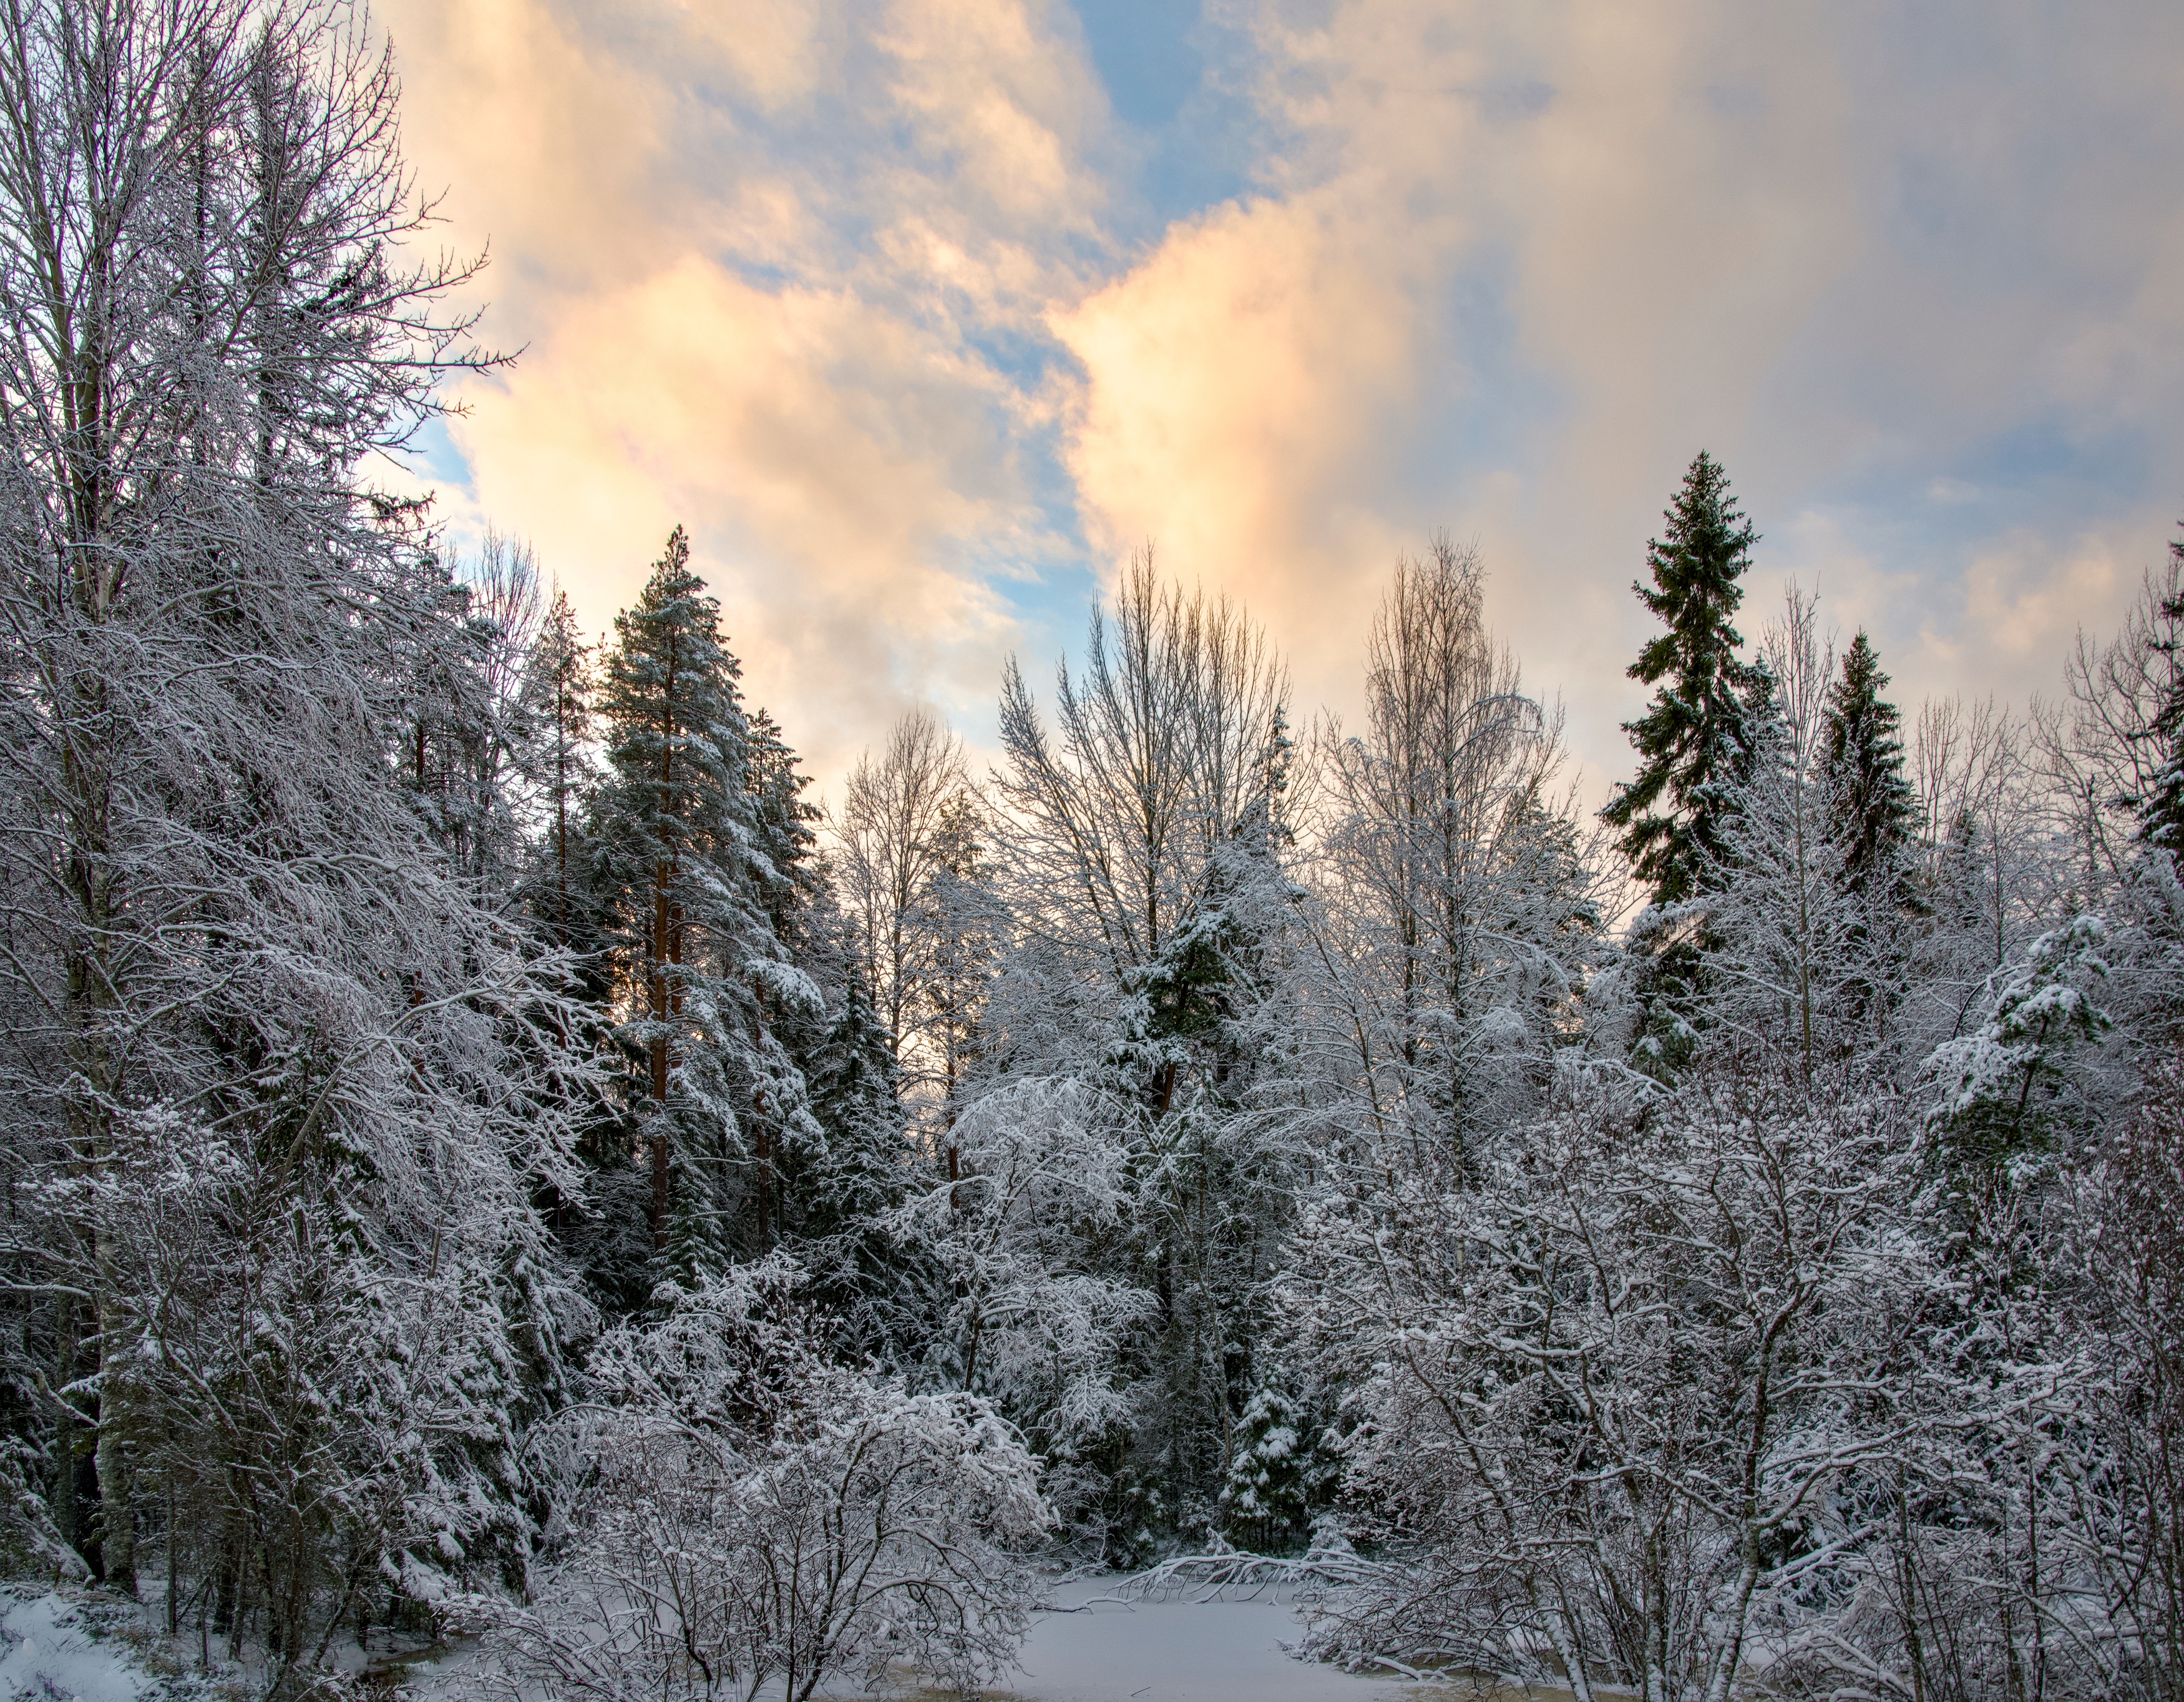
(742, 1514)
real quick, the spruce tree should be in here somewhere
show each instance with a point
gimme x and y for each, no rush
(843, 1195)
(691, 892)
(1672, 816)
(782, 863)
(852, 1086)
(2160, 806)
(1872, 806)
(558, 693)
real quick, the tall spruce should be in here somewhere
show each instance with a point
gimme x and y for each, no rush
(1871, 804)
(2160, 805)
(692, 893)
(1691, 739)
(558, 689)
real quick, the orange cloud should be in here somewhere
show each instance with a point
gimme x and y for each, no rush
(834, 466)
(776, 264)
(1238, 385)
(545, 149)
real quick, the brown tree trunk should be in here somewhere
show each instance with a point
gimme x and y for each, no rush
(117, 1516)
(765, 1154)
(659, 992)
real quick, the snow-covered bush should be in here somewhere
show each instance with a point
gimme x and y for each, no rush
(742, 1514)
(2001, 1085)
(1039, 1176)
(1613, 1395)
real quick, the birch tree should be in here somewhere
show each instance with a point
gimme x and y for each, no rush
(1453, 918)
(1617, 1393)
(898, 826)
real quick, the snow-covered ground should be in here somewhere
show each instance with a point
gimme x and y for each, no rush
(75, 1648)
(78, 1646)
(85, 1645)
(52, 1650)
(1178, 1651)
(1087, 1649)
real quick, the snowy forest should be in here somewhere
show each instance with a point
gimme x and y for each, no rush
(486, 1148)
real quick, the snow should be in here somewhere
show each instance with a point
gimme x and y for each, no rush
(1087, 1649)
(53, 1656)
(1178, 1651)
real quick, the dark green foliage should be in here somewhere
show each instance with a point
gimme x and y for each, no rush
(1673, 815)
(559, 687)
(783, 873)
(852, 1088)
(677, 739)
(1281, 1473)
(840, 1195)
(1107, 1496)
(2161, 808)
(1872, 804)
(700, 845)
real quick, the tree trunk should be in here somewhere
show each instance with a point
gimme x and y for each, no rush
(659, 992)
(68, 1516)
(764, 1186)
(118, 1517)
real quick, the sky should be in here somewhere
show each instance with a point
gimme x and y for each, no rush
(922, 315)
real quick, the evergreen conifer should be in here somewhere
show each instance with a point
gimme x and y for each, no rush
(1872, 803)
(844, 1193)
(1672, 815)
(2161, 805)
(693, 894)
(558, 691)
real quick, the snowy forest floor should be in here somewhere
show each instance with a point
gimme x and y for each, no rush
(89, 1647)
(85, 1645)
(1089, 1649)
(71, 1645)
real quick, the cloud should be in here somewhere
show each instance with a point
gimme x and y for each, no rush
(1238, 385)
(835, 468)
(754, 258)
(775, 51)
(1861, 257)
(1002, 105)
(543, 149)
(871, 294)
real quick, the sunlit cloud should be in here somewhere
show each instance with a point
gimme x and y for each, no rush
(1240, 387)
(888, 305)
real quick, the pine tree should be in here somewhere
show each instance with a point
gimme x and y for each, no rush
(1872, 804)
(1672, 816)
(557, 690)
(692, 891)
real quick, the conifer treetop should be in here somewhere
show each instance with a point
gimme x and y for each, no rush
(1690, 739)
(677, 730)
(1873, 805)
(2161, 808)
